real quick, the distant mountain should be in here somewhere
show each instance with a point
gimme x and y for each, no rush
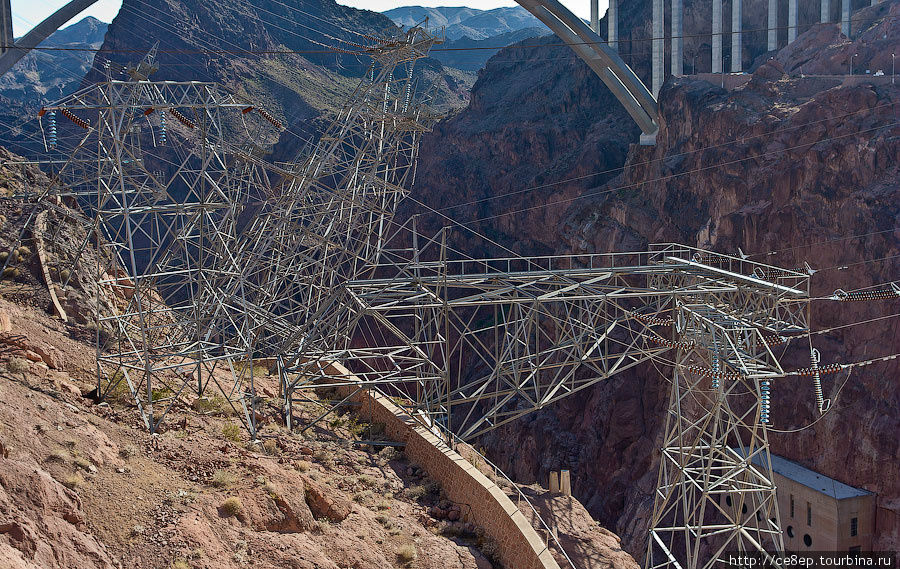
(471, 55)
(46, 75)
(467, 22)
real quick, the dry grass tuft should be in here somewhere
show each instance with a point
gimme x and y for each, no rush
(18, 365)
(231, 432)
(73, 482)
(231, 507)
(223, 479)
(407, 554)
(59, 455)
(128, 451)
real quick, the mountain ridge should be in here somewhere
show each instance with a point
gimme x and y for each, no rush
(467, 22)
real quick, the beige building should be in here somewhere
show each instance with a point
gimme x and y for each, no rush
(819, 513)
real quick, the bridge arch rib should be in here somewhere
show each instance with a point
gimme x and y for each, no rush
(39, 33)
(605, 61)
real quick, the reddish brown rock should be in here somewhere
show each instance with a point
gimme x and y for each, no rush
(325, 503)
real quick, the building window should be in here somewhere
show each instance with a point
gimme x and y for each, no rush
(808, 514)
(807, 541)
(854, 526)
(792, 505)
(790, 532)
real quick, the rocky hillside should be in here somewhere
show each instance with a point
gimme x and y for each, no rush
(48, 75)
(226, 42)
(471, 55)
(796, 165)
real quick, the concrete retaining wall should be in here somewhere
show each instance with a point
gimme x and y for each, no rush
(488, 506)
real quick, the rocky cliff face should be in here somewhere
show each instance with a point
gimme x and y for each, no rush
(792, 169)
(47, 75)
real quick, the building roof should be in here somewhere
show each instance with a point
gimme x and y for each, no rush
(812, 479)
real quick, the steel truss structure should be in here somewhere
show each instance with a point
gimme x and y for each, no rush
(327, 225)
(473, 344)
(215, 264)
(166, 224)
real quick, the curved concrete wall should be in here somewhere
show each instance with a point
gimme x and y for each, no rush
(488, 506)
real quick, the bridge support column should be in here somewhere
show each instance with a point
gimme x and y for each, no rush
(595, 16)
(6, 29)
(677, 38)
(772, 24)
(737, 12)
(845, 17)
(717, 36)
(792, 20)
(612, 24)
(825, 11)
(659, 65)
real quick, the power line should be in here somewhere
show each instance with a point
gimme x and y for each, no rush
(688, 172)
(337, 50)
(648, 162)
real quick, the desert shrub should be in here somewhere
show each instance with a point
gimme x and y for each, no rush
(491, 549)
(73, 482)
(161, 393)
(216, 405)
(366, 480)
(382, 519)
(180, 564)
(4, 256)
(24, 252)
(223, 479)
(416, 492)
(83, 463)
(363, 497)
(18, 365)
(231, 507)
(128, 451)
(59, 455)
(231, 432)
(302, 465)
(271, 447)
(407, 553)
(120, 392)
(383, 505)
(64, 275)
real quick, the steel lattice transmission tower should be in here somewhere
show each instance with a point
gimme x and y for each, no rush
(471, 344)
(716, 490)
(163, 170)
(328, 224)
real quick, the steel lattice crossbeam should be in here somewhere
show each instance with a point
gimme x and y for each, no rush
(474, 344)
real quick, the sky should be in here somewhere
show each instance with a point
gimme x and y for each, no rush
(27, 13)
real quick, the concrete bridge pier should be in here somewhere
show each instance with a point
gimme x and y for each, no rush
(595, 16)
(845, 17)
(659, 65)
(677, 38)
(717, 36)
(612, 22)
(737, 11)
(772, 22)
(792, 20)
(825, 12)
(6, 29)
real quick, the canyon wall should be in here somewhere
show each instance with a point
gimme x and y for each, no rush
(791, 168)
